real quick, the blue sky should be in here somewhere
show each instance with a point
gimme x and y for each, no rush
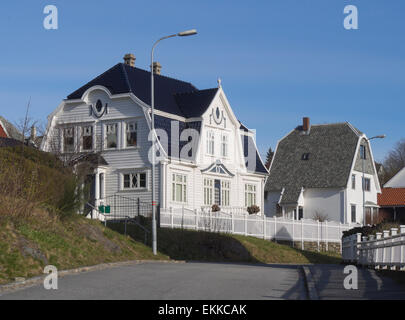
(278, 60)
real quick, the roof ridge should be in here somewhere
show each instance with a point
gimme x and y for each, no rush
(194, 91)
(159, 75)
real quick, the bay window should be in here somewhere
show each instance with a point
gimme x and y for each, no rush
(131, 134)
(87, 138)
(69, 139)
(111, 136)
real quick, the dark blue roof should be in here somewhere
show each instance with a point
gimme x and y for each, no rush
(165, 124)
(253, 161)
(123, 78)
(193, 104)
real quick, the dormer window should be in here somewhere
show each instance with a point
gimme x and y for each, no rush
(305, 156)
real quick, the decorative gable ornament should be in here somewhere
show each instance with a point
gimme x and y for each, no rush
(218, 168)
(218, 116)
(98, 109)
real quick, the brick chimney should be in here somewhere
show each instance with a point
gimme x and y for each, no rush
(157, 67)
(129, 59)
(305, 124)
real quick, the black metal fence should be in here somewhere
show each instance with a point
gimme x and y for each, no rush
(119, 207)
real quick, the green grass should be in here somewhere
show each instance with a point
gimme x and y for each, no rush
(180, 244)
(26, 248)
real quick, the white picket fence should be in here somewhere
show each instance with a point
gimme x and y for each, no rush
(383, 251)
(259, 226)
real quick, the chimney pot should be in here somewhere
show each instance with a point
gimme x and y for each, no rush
(305, 124)
(157, 67)
(33, 133)
(129, 59)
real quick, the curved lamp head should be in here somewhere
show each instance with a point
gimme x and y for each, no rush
(187, 33)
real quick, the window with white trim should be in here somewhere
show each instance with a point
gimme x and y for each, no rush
(353, 213)
(131, 134)
(69, 139)
(225, 192)
(208, 191)
(87, 138)
(366, 184)
(250, 195)
(353, 181)
(111, 135)
(210, 142)
(133, 181)
(179, 188)
(224, 145)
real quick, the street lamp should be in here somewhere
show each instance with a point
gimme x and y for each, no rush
(152, 104)
(382, 136)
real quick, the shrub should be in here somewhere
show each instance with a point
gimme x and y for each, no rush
(215, 208)
(371, 230)
(253, 209)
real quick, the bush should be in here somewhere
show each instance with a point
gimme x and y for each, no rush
(253, 209)
(215, 208)
(371, 230)
(26, 183)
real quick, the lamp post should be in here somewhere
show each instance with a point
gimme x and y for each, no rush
(152, 104)
(363, 156)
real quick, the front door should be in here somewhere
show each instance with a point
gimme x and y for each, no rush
(89, 194)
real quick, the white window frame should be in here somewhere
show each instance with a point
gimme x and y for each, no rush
(224, 145)
(351, 213)
(83, 134)
(250, 191)
(72, 135)
(353, 182)
(126, 128)
(364, 180)
(208, 191)
(107, 127)
(182, 183)
(225, 193)
(211, 142)
(131, 177)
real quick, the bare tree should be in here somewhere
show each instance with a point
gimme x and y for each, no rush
(394, 161)
(320, 216)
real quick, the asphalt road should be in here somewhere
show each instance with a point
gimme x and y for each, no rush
(212, 281)
(203, 281)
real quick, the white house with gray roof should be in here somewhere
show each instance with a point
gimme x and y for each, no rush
(317, 171)
(206, 155)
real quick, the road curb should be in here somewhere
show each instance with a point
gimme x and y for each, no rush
(310, 283)
(26, 283)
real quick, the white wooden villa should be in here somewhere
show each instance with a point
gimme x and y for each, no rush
(206, 156)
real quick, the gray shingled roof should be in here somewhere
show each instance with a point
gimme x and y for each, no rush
(331, 150)
(11, 129)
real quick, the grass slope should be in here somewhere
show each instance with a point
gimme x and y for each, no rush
(183, 244)
(26, 248)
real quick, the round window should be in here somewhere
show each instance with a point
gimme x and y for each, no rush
(99, 105)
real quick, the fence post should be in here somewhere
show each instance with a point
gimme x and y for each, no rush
(326, 235)
(233, 222)
(386, 234)
(302, 234)
(402, 247)
(196, 218)
(358, 244)
(377, 251)
(264, 226)
(275, 228)
(293, 228)
(394, 232)
(318, 235)
(171, 217)
(210, 221)
(246, 231)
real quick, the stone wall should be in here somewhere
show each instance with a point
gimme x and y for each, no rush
(313, 246)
